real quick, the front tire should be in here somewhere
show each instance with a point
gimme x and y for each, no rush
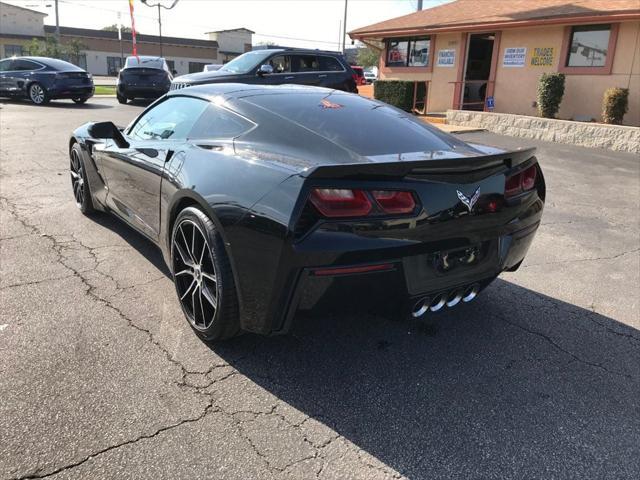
(38, 94)
(202, 276)
(79, 183)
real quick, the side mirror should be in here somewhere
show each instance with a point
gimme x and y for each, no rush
(174, 72)
(265, 69)
(108, 130)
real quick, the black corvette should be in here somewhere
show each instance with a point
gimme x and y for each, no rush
(262, 198)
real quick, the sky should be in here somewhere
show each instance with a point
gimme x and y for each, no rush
(296, 23)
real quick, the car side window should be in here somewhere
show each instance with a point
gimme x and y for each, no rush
(217, 122)
(24, 65)
(329, 64)
(281, 63)
(4, 65)
(172, 119)
(304, 63)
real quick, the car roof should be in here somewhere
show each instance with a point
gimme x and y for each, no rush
(228, 91)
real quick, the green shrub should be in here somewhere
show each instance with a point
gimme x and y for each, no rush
(550, 92)
(398, 93)
(615, 105)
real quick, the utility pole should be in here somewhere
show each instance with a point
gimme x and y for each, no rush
(340, 34)
(419, 5)
(344, 26)
(57, 22)
(159, 5)
(120, 38)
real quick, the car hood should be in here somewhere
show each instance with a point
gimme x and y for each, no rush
(203, 77)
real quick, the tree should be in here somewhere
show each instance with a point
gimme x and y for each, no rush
(114, 28)
(368, 57)
(50, 47)
(73, 49)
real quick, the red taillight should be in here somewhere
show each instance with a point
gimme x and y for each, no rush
(339, 202)
(520, 182)
(355, 77)
(394, 201)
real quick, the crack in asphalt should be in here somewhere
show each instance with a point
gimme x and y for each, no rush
(552, 342)
(621, 254)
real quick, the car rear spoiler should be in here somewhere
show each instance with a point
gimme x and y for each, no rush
(400, 169)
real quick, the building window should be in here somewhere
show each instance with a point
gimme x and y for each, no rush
(195, 67)
(588, 49)
(13, 50)
(114, 65)
(589, 46)
(408, 52)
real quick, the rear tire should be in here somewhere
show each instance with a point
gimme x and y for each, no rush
(79, 183)
(79, 101)
(37, 94)
(202, 276)
(121, 99)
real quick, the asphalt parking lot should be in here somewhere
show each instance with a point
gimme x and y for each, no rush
(101, 377)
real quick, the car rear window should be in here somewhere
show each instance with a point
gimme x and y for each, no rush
(363, 126)
(329, 64)
(146, 62)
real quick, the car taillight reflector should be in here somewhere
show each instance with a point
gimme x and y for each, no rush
(521, 182)
(323, 272)
(394, 201)
(340, 202)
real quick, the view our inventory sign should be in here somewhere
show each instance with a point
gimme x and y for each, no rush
(446, 58)
(514, 57)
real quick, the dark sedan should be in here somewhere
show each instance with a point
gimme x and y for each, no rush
(41, 79)
(263, 198)
(143, 77)
(277, 66)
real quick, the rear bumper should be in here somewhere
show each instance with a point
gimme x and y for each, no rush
(134, 91)
(71, 91)
(399, 282)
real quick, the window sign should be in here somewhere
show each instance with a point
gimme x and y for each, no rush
(446, 58)
(542, 57)
(514, 57)
(397, 53)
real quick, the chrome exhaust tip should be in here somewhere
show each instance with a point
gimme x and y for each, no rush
(438, 302)
(454, 298)
(470, 293)
(420, 307)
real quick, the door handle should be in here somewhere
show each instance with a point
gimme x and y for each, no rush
(289, 78)
(322, 76)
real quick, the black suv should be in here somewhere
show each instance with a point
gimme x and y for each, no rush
(278, 66)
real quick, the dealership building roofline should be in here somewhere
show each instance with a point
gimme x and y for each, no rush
(474, 15)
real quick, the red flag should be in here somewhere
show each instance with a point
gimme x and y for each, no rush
(133, 32)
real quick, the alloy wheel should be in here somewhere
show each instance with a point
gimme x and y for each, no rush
(36, 93)
(194, 274)
(77, 178)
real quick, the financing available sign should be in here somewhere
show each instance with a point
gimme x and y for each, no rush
(514, 57)
(446, 58)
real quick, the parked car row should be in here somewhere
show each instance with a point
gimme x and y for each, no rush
(42, 79)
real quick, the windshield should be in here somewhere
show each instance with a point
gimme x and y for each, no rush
(147, 62)
(245, 62)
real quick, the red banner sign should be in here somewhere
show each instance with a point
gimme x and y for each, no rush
(133, 32)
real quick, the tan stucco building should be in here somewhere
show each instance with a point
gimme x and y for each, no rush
(488, 54)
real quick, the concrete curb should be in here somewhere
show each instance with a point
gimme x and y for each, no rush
(594, 135)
